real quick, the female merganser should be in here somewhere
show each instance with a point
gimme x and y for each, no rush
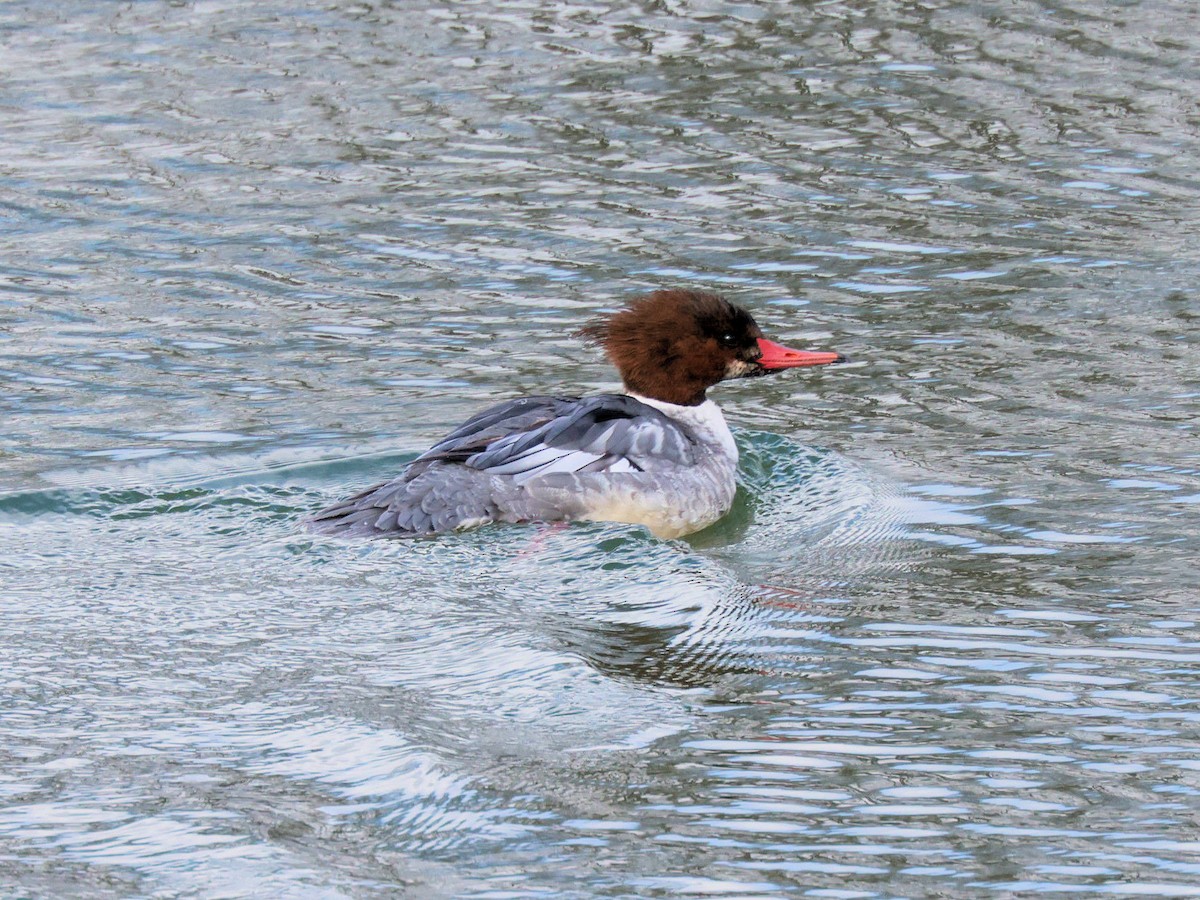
(659, 455)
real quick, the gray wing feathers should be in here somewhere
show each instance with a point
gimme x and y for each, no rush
(478, 472)
(499, 421)
(439, 499)
(610, 428)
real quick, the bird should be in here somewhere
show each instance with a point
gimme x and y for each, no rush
(660, 454)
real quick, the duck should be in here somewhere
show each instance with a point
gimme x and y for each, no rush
(658, 454)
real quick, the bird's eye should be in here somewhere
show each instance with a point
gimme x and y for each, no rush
(728, 339)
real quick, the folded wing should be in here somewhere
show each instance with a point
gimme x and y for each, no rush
(451, 485)
(607, 433)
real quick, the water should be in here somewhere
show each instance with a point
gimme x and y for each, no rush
(254, 255)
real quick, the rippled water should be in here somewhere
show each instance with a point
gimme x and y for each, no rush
(255, 255)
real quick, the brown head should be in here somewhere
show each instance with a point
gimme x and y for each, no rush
(673, 345)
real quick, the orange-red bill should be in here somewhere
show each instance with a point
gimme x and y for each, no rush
(777, 356)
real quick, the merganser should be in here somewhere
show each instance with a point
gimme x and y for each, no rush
(659, 455)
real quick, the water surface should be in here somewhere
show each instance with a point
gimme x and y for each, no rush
(253, 256)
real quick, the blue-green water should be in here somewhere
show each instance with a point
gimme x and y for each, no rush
(253, 256)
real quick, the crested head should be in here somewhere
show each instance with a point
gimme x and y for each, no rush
(673, 345)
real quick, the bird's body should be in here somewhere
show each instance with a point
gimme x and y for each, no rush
(660, 455)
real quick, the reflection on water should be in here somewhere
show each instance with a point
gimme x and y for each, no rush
(254, 256)
(799, 694)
